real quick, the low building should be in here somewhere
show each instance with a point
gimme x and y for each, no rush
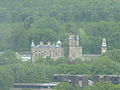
(114, 79)
(34, 86)
(81, 80)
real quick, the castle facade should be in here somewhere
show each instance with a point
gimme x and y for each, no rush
(56, 51)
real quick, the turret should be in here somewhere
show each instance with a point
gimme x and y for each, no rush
(72, 41)
(77, 40)
(58, 44)
(32, 47)
(104, 46)
(32, 44)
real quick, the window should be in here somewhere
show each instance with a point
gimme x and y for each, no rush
(44, 51)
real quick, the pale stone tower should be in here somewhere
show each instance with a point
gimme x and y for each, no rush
(32, 46)
(75, 51)
(104, 46)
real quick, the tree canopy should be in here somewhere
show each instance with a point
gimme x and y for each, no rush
(22, 21)
(26, 20)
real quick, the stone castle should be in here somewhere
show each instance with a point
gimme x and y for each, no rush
(56, 51)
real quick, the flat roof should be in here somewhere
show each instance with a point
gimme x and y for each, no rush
(109, 75)
(68, 75)
(37, 84)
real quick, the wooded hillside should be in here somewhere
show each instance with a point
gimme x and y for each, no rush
(49, 20)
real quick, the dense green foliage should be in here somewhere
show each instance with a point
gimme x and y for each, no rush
(114, 55)
(8, 57)
(6, 79)
(103, 86)
(43, 69)
(22, 21)
(64, 86)
(97, 86)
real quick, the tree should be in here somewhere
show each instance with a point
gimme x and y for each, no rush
(6, 79)
(113, 55)
(8, 57)
(102, 86)
(64, 86)
(104, 65)
(26, 89)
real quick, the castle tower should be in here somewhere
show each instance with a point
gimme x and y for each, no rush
(104, 46)
(74, 50)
